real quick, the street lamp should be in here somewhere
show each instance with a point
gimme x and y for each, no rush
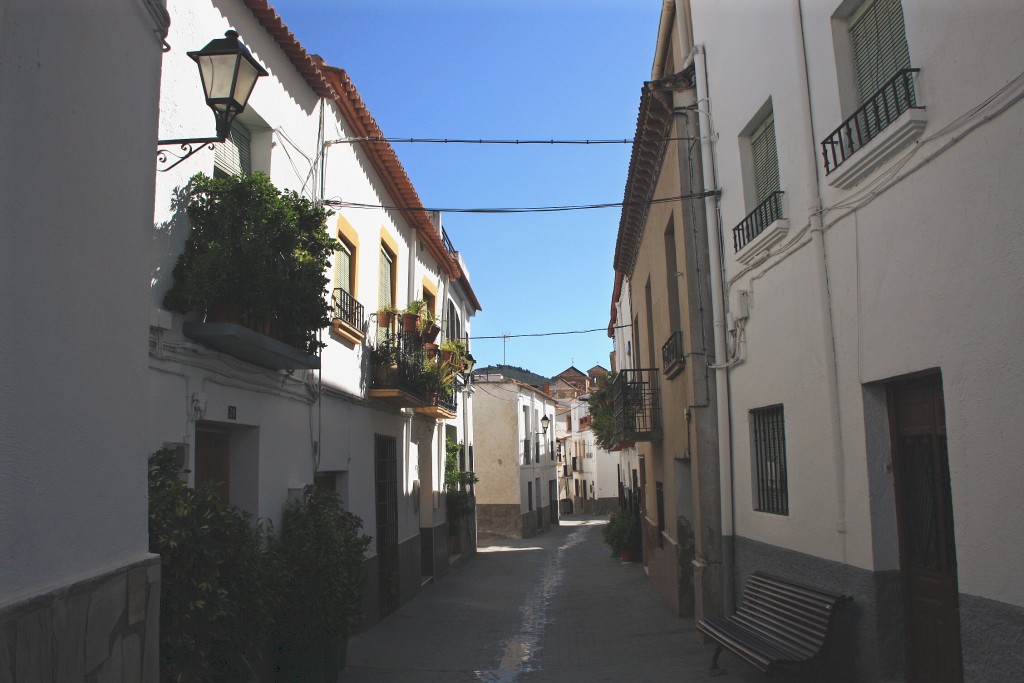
(228, 72)
(545, 422)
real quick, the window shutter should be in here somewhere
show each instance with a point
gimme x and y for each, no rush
(879, 41)
(766, 160)
(385, 297)
(234, 156)
(343, 268)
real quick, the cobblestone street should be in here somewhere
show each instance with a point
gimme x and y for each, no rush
(554, 607)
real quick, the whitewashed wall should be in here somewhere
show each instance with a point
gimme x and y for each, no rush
(77, 133)
(921, 276)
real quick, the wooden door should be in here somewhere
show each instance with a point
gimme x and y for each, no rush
(924, 516)
(385, 458)
(212, 460)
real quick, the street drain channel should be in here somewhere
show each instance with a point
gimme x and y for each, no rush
(521, 651)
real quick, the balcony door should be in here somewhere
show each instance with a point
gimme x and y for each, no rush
(924, 518)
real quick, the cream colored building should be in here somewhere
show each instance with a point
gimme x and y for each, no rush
(517, 495)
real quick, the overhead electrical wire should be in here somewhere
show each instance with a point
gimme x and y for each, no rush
(548, 334)
(338, 203)
(486, 141)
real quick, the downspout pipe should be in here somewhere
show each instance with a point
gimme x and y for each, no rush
(718, 325)
(813, 189)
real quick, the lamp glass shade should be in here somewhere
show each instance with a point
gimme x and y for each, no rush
(228, 71)
(545, 422)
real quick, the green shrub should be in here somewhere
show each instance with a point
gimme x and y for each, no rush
(622, 532)
(258, 252)
(217, 584)
(457, 482)
(322, 553)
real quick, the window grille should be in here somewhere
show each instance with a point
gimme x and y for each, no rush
(768, 433)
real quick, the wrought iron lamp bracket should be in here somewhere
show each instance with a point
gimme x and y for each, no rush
(189, 146)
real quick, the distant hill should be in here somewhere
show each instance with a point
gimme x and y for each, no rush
(520, 374)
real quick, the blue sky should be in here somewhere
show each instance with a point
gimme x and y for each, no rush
(524, 69)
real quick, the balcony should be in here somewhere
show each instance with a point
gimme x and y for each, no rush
(397, 370)
(673, 359)
(347, 316)
(763, 227)
(442, 405)
(889, 121)
(635, 400)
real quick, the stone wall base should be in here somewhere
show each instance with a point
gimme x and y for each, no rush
(868, 644)
(106, 628)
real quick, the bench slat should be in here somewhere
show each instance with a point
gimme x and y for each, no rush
(779, 622)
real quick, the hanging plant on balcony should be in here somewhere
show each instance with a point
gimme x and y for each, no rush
(602, 412)
(428, 326)
(257, 256)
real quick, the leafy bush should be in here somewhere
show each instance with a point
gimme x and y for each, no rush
(257, 251)
(321, 550)
(622, 532)
(602, 412)
(217, 583)
(456, 481)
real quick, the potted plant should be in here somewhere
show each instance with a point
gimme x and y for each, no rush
(411, 316)
(321, 550)
(428, 327)
(454, 353)
(256, 256)
(383, 361)
(386, 316)
(622, 534)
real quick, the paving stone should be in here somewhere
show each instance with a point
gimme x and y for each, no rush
(70, 614)
(34, 650)
(554, 607)
(151, 653)
(136, 595)
(105, 610)
(132, 650)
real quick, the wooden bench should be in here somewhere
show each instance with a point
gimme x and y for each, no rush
(780, 624)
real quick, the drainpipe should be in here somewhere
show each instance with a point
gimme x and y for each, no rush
(813, 189)
(661, 51)
(718, 318)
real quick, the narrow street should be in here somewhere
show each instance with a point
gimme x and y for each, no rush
(554, 607)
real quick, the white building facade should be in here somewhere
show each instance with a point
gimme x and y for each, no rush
(868, 157)
(595, 471)
(79, 591)
(272, 429)
(517, 495)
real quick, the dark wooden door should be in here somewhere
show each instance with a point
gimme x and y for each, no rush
(924, 515)
(385, 458)
(212, 460)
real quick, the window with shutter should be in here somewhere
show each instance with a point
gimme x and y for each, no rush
(234, 155)
(879, 42)
(343, 268)
(766, 160)
(386, 292)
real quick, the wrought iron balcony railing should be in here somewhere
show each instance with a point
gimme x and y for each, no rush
(766, 213)
(447, 243)
(397, 364)
(347, 309)
(672, 356)
(636, 403)
(885, 106)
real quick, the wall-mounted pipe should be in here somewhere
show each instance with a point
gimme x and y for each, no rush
(718, 326)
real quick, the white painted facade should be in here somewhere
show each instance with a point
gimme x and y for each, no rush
(286, 427)
(910, 266)
(597, 470)
(78, 124)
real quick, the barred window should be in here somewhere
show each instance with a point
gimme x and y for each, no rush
(768, 438)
